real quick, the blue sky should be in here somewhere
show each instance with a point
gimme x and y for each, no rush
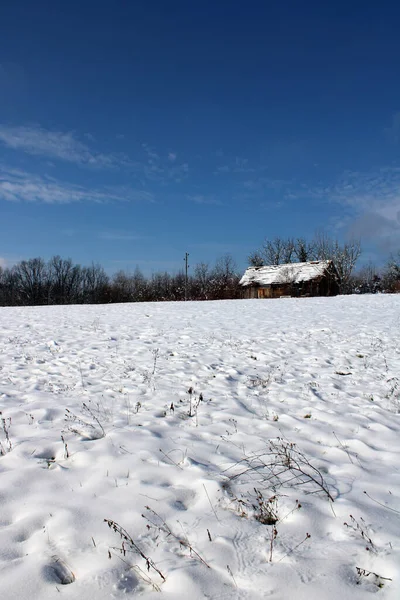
(132, 132)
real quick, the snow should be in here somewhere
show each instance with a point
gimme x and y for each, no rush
(320, 373)
(294, 272)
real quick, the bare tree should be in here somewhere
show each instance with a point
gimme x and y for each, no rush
(94, 284)
(324, 246)
(178, 285)
(31, 281)
(122, 287)
(392, 273)
(8, 289)
(3, 287)
(65, 280)
(274, 252)
(256, 259)
(304, 250)
(225, 278)
(367, 280)
(201, 281)
(288, 250)
(345, 258)
(140, 286)
(60, 282)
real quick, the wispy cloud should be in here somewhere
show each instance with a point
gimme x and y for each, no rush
(121, 236)
(222, 169)
(378, 191)
(65, 146)
(267, 192)
(369, 202)
(152, 155)
(148, 165)
(70, 231)
(204, 199)
(163, 170)
(239, 165)
(374, 200)
(6, 262)
(20, 186)
(260, 184)
(57, 145)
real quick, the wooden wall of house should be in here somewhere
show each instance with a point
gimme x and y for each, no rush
(250, 292)
(324, 286)
(273, 292)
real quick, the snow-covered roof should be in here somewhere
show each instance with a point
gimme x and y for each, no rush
(289, 273)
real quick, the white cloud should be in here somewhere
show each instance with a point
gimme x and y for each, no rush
(151, 154)
(161, 170)
(260, 184)
(378, 191)
(178, 172)
(6, 262)
(59, 145)
(239, 165)
(203, 199)
(374, 200)
(120, 236)
(66, 146)
(70, 231)
(19, 186)
(223, 169)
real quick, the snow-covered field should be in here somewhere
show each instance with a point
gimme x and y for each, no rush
(248, 449)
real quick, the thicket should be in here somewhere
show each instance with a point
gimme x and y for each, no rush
(59, 281)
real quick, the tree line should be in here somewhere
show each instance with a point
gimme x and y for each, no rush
(59, 281)
(36, 282)
(371, 280)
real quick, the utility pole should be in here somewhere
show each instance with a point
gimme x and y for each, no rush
(186, 273)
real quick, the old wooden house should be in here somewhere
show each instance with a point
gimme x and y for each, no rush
(314, 278)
